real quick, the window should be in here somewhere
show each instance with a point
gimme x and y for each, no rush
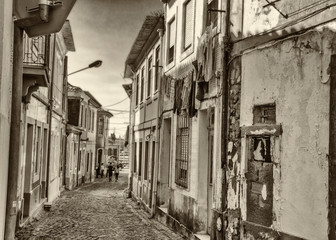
(188, 27)
(212, 15)
(146, 160)
(87, 162)
(171, 40)
(157, 68)
(89, 119)
(182, 151)
(82, 116)
(142, 83)
(137, 86)
(153, 151)
(149, 77)
(261, 156)
(264, 114)
(79, 160)
(135, 158)
(93, 121)
(37, 150)
(101, 126)
(115, 152)
(85, 118)
(140, 158)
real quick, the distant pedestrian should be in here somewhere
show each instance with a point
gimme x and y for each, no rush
(116, 173)
(110, 171)
(97, 171)
(102, 168)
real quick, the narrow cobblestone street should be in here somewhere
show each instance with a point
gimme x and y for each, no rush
(96, 211)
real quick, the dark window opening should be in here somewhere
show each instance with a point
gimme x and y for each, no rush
(264, 114)
(140, 158)
(149, 77)
(157, 68)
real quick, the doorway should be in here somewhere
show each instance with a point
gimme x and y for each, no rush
(211, 119)
(164, 177)
(28, 165)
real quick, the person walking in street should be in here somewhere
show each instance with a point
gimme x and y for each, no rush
(110, 171)
(116, 173)
(102, 168)
(97, 171)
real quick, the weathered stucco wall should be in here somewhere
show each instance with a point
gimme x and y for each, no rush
(293, 74)
(6, 29)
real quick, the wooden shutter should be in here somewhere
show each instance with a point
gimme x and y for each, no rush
(189, 24)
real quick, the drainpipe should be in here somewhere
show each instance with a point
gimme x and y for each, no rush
(225, 99)
(332, 152)
(157, 150)
(44, 10)
(78, 156)
(51, 104)
(15, 136)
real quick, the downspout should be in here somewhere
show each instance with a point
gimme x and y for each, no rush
(78, 156)
(15, 135)
(44, 10)
(51, 103)
(332, 152)
(65, 110)
(157, 129)
(225, 98)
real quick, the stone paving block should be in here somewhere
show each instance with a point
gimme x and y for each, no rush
(96, 211)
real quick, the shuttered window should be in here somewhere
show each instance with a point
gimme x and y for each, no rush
(182, 151)
(142, 83)
(149, 77)
(188, 24)
(157, 68)
(171, 43)
(137, 90)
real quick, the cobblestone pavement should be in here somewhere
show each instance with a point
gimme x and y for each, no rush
(96, 211)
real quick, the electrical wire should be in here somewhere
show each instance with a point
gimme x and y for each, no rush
(116, 103)
(288, 24)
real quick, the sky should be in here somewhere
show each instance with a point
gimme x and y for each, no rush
(106, 30)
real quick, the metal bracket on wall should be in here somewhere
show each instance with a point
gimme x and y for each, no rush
(272, 4)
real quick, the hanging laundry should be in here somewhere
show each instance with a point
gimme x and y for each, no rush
(187, 84)
(178, 96)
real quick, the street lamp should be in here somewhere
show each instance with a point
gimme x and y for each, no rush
(95, 64)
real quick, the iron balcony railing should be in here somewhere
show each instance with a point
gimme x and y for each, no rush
(35, 51)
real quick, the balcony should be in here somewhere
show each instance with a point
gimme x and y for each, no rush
(35, 65)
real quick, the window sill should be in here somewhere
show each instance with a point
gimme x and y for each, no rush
(149, 101)
(186, 53)
(170, 65)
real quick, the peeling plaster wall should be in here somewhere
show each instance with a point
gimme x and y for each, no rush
(258, 18)
(6, 64)
(292, 74)
(233, 175)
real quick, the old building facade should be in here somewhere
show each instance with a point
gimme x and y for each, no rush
(102, 135)
(280, 149)
(143, 66)
(246, 143)
(28, 66)
(6, 66)
(83, 115)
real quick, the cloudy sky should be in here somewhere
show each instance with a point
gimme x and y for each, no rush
(105, 30)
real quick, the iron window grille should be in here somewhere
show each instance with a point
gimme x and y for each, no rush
(182, 151)
(35, 50)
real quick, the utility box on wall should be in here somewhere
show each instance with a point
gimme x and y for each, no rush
(41, 17)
